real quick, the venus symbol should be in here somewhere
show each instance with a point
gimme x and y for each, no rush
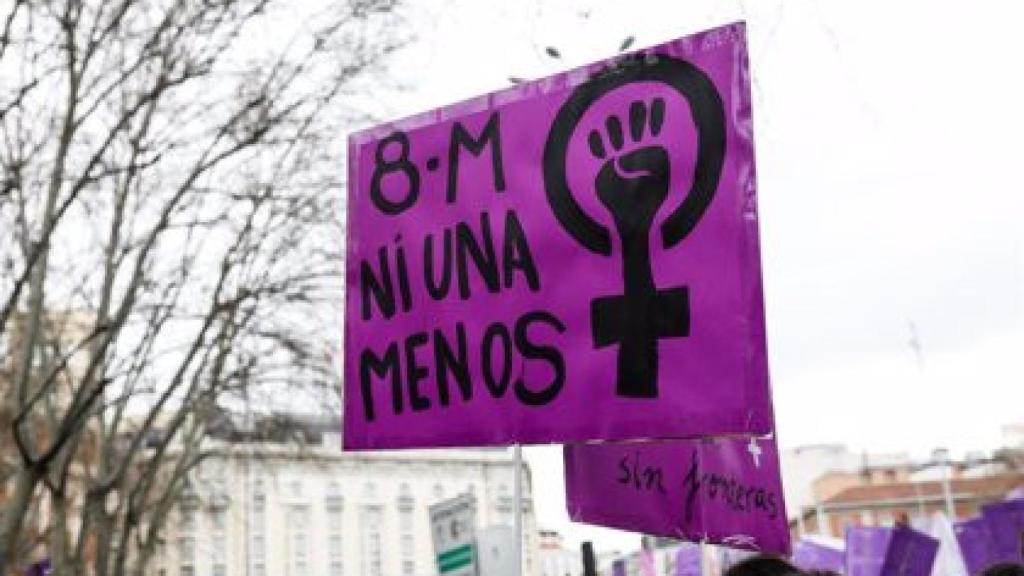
(633, 183)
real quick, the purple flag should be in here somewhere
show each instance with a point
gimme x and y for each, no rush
(865, 550)
(725, 491)
(1006, 526)
(910, 553)
(570, 259)
(688, 560)
(811, 555)
(974, 539)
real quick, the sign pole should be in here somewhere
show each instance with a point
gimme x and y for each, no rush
(704, 560)
(517, 451)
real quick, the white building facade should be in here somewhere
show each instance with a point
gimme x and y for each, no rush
(275, 511)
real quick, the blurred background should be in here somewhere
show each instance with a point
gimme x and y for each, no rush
(171, 271)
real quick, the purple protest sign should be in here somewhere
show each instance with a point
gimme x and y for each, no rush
(725, 491)
(910, 553)
(865, 550)
(1006, 525)
(811, 555)
(570, 259)
(974, 539)
(688, 560)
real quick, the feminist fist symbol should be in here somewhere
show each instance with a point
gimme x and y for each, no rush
(632, 184)
(642, 314)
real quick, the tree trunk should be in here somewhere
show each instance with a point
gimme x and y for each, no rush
(14, 511)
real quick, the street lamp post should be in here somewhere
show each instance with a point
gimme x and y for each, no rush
(942, 456)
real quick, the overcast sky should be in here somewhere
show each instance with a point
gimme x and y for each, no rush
(888, 139)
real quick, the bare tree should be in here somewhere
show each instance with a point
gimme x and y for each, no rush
(170, 241)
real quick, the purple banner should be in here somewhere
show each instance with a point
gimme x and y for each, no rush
(865, 550)
(811, 555)
(1006, 526)
(725, 491)
(910, 553)
(974, 539)
(571, 259)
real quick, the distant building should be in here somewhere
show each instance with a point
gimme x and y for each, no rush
(804, 467)
(269, 509)
(901, 501)
(555, 559)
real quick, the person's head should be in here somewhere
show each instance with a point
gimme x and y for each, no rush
(1004, 569)
(762, 565)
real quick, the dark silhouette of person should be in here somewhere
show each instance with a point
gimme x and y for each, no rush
(763, 565)
(1004, 569)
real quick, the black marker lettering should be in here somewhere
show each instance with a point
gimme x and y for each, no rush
(403, 277)
(438, 289)
(415, 372)
(532, 351)
(462, 139)
(483, 257)
(517, 254)
(383, 167)
(381, 289)
(455, 363)
(497, 387)
(624, 466)
(370, 364)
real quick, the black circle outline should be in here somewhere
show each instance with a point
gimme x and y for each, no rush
(708, 114)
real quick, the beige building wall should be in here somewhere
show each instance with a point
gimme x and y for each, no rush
(329, 513)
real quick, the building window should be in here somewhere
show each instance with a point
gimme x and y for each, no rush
(408, 568)
(259, 507)
(220, 555)
(218, 519)
(298, 526)
(187, 518)
(406, 518)
(186, 555)
(258, 543)
(371, 526)
(259, 548)
(333, 505)
(408, 548)
(298, 517)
